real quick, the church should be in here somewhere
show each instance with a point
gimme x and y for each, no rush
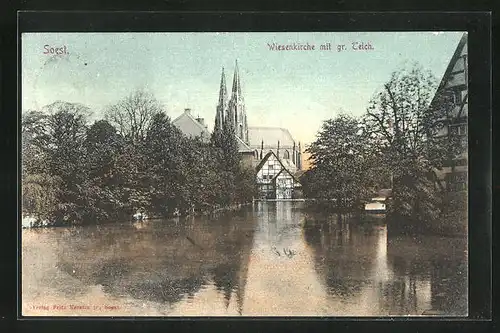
(255, 143)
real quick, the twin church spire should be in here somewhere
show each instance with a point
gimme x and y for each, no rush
(233, 112)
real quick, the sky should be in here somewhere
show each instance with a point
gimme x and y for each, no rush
(294, 89)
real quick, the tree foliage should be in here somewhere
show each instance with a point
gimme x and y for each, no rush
(396, 143)
(134, 160)
(342, 158)
(133, 115)
(405, 123)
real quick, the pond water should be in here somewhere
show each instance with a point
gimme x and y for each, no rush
(269, 259)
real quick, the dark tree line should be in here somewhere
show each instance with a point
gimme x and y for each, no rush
(394, 144)
(133, 160)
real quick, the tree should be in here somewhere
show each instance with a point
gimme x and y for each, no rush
(100, 188)
(225, 140)
(133, 115)
(102, 144)
(247, 187)
(165, 146)
(225, 144)
(400, 118)
(66, 128)
(341, 157)
(33, 141)
(74, 174)
(39, 188)
(52, 161)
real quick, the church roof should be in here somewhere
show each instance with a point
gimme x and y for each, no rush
(190, 126)
(242, 146)
(270, 136)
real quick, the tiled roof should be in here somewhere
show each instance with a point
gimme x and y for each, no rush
(270, 136)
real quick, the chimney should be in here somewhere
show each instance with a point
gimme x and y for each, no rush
(201, 121)
(187, 110)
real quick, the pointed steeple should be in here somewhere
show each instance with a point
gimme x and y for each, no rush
(223, 90)
(222, 105)
(236, 108)
(236, 83)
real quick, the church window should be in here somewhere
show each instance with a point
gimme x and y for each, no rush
(256, 154)
(286, 155)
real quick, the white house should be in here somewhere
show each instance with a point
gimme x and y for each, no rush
(274, 180)
(192, 127)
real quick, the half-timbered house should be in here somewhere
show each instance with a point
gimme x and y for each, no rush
(274, 180)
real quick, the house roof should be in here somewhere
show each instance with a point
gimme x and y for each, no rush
(190, 126)
(288, 164)
(449, 69)
(299, 173)
(283, 168)
(454, 58)
(270, 136)
(287, 171)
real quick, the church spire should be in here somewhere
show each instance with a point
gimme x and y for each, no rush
(223, 90)
(222, 105)
(236, 82)
(236, 108)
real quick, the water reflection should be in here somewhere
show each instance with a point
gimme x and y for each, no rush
(360, 265)
(269, 259)
(432, 270)
(281, 276)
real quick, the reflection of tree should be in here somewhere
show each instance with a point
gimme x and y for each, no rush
(449, 286)
(169, 291)
(231, 276)
(159, 261)
(343, 255)
(418, 263)
(399, 296)
(226, 280)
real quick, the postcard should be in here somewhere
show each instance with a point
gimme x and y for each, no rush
(244, 174)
